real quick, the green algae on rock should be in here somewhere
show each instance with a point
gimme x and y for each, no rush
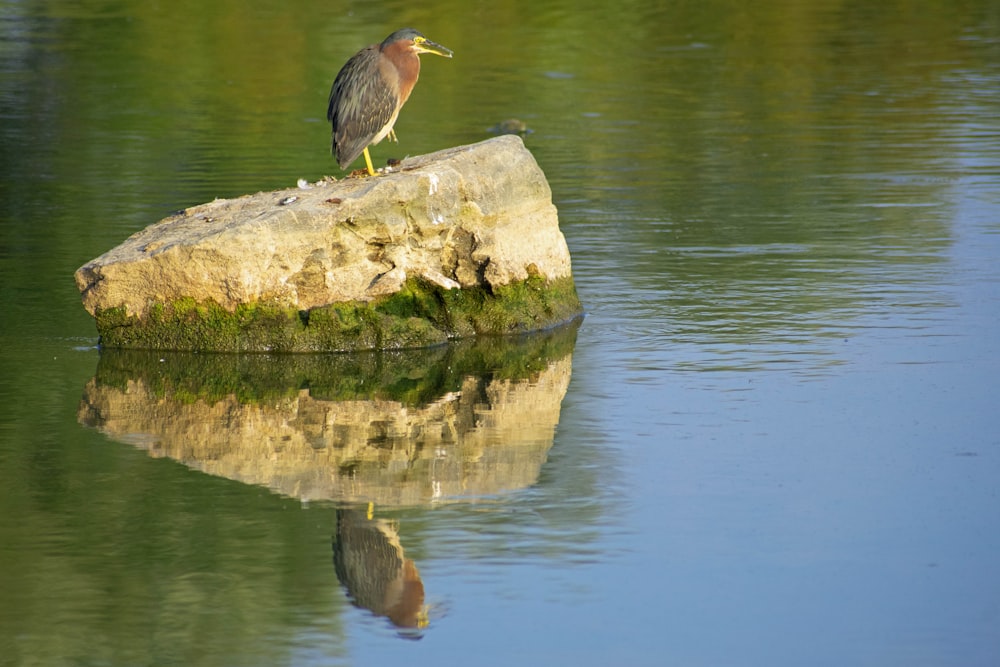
(411, 377)
(419, 315)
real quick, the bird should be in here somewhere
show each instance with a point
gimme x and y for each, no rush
(369, 91)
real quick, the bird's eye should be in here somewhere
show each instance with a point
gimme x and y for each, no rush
(419, 40)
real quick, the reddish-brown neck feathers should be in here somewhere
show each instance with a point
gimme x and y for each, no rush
(407, 65)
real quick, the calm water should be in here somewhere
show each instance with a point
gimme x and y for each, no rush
(774, 439)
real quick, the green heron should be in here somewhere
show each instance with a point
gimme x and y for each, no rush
(370, 90)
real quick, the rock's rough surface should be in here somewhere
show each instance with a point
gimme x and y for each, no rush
(461, 242)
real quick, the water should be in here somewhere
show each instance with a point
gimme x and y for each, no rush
(772, 440)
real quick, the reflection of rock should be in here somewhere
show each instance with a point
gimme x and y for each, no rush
(370, 564)
(468, 433)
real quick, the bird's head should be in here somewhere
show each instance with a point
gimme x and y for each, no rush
(415, 42)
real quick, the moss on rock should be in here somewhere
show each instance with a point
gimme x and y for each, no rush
(414, 377)
(418, 315)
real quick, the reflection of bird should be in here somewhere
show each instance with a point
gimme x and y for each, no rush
(370, 90)
(369, 562)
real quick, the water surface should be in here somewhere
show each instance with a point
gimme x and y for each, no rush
(772, 440)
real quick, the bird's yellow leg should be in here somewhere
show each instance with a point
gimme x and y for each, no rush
(392, 136)
(371, 511)
(368, 163)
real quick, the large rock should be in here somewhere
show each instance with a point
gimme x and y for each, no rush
(461, 242)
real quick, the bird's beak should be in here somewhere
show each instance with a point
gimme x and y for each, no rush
(424, 45)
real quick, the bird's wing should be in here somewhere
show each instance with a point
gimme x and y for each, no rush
(360, 105)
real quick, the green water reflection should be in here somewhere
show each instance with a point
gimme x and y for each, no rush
(229, 576)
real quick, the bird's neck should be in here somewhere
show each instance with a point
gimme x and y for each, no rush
(409, 70)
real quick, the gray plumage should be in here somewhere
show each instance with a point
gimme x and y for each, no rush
(358, 108)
